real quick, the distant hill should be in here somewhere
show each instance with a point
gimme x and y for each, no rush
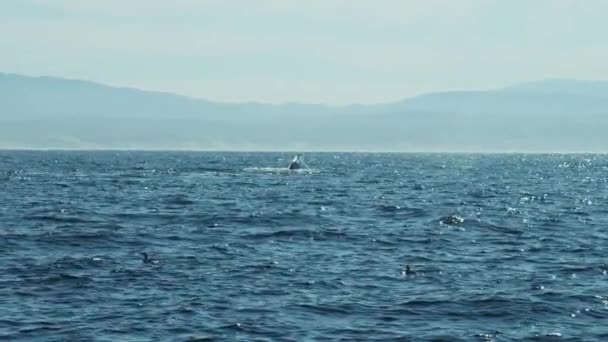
(550, 115)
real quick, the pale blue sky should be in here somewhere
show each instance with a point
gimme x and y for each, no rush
(321, 51)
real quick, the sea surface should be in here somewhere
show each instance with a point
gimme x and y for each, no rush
(500, 247)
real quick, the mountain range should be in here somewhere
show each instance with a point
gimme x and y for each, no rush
(555, 115)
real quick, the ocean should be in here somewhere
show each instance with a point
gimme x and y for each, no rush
(501, 247)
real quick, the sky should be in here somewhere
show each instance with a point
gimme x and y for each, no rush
(314, 51)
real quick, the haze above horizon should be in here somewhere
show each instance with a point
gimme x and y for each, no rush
(332, 51)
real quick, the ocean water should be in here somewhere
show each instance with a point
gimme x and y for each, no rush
(500, 247)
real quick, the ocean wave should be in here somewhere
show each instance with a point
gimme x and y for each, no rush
(251, 252)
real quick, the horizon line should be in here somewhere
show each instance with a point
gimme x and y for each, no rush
(350, 151)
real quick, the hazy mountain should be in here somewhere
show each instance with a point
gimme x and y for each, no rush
(550, 115)
(57, 98)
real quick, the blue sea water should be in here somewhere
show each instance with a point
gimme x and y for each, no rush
(501, 247)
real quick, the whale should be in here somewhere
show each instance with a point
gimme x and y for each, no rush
(296, 163)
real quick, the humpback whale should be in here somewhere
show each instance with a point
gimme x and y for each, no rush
(296, 163)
